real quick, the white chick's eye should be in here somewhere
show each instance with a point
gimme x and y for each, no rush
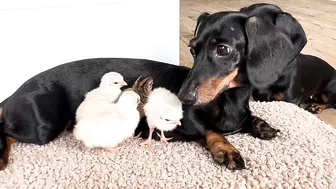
(167, 120)
(115, 82)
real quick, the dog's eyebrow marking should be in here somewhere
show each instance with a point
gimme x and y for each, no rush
(232, 28)
(213, 40)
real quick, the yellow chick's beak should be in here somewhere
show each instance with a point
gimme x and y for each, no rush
(178, 123)
(123, 83)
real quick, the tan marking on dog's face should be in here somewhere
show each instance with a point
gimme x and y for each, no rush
(236, 81)
(210, 88)
(0, 112)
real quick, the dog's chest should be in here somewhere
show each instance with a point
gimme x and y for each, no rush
(211, 113)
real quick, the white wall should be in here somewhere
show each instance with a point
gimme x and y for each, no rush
(36, 35)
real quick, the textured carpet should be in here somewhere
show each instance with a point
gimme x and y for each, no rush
(302, 156)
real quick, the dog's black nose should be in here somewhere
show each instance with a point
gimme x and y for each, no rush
(189, 99)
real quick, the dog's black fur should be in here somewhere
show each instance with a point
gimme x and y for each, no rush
(307, 81)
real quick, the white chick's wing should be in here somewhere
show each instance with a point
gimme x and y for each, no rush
(99, 94)
(108, 130)
(96, 103)
(103, 132)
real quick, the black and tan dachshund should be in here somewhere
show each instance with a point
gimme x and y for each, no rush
(307, 81)
(233, 53)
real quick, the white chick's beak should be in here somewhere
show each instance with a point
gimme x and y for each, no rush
(123, 83)
(178, 123)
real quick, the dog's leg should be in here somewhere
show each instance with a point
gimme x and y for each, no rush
(293, 94)
(5, 146)
(70, 126)
(259, 128)
(51, 115)
(3, 151)
(222, 151)
(323, 100)
(318, 108)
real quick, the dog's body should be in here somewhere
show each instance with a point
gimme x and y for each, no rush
(307, 81)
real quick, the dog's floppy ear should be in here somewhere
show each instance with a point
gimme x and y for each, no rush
(269, 51)
(282, 20)
(200, 20)
(293, 29)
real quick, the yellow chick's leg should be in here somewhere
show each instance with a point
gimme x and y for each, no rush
(113, 149)
(163, 138)
(149, 139)
(135, 137)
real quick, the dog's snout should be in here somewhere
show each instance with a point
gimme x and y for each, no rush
(190, 98)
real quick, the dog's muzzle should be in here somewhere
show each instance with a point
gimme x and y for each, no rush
(188, 94)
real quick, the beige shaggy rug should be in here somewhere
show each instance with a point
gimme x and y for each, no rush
(302, 156)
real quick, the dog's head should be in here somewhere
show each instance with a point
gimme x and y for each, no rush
(231, 45)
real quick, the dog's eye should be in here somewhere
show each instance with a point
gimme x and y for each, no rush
(192, 51)
(223, 50)
(167, 120)
(115, 82)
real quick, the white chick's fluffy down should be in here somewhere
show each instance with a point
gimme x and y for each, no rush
(117, 123)
(96, 100)
(163, 105)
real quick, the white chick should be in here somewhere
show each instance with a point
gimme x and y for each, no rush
(164, 112)
(117, 124)
(95, 100)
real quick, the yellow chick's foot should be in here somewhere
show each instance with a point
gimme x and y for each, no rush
(163, 138)
(148, 142)
(149, 139)
(135, 137)
(113, 149)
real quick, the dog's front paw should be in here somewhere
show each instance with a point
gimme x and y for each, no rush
(261, 129)
(228, 156)
(315, 108)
